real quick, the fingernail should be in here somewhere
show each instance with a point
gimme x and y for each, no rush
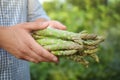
(55, 59)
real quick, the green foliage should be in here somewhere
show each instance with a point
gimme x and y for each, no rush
(96, 16)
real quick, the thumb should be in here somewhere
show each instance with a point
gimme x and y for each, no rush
(33, 26)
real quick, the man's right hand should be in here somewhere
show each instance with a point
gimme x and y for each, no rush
(18, 41)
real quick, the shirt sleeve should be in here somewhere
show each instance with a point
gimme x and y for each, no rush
(35, 11)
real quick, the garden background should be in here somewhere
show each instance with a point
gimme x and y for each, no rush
(101, 17)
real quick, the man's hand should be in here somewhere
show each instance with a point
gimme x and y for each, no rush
(18, 41)
(53, 23)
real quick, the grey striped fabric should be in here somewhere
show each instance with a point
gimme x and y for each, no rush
(13, 12)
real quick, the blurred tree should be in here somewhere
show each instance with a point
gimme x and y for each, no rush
(84, 3)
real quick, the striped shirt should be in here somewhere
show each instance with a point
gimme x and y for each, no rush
(13, 12)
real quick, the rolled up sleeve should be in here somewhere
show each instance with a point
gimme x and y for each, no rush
(35, 11)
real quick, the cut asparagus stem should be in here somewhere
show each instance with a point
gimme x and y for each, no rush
(64, 53)
(65, 46)
(50, 41)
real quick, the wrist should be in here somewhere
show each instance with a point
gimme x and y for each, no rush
(3, 31)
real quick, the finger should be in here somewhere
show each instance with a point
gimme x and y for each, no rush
(57, 25)
(45, 54)
(22, 56)
(41, 51)
(27, 58)
(61, 26)
(32, 26)
(34, 56)
(26, 51)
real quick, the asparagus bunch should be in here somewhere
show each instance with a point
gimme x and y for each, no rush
(70, 45)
